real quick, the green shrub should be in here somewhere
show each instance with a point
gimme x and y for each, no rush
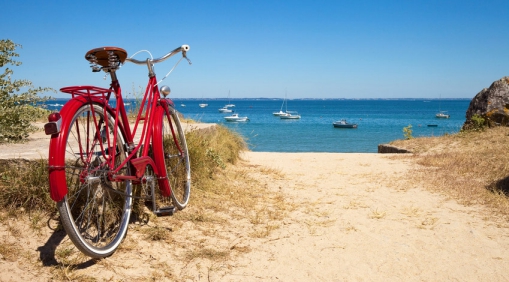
(407, 132)
(478, 123)
(17, 109)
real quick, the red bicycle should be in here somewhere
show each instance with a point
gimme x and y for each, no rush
(97, 164)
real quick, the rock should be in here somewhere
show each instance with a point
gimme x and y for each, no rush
(492, 104)
(389, 149)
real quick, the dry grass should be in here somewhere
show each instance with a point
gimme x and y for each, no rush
(228, 197)
(376, 214)
(24, 186)
(472, 167)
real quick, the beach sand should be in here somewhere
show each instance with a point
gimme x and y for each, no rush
(356, 218)
(360, 221)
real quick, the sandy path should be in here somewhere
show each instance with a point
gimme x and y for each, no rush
(358, 221)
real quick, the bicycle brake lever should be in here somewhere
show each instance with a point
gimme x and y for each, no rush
(185, 57)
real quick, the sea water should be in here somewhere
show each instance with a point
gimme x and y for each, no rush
(378, 121)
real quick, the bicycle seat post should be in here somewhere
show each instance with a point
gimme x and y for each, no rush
(113, 75)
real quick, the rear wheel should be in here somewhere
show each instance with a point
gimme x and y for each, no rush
(172, 156)
(95, 212)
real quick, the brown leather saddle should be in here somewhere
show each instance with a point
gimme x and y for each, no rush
(106, 57)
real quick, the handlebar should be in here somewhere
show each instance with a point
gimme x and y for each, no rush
(183, 49)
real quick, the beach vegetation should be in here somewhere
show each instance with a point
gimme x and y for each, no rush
(24, 186)
(407, 132)
(478, 123)
(376, 214)
(470, 166)
(225, 192)
(19, 99)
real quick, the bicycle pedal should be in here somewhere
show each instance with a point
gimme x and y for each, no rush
(166, 211)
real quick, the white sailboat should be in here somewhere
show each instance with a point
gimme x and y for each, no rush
(441, 114)
(229, 105)
(290, 115)
(287, 114)
(226, 108)
(202, 104)
(281, 113)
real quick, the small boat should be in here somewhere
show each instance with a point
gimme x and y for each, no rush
(225, 110)
(343, 124)
(432, 125)
(203, 104)
(229, 105)
(286, 114)
(235, 117)
(442, 115)
(183, 105)
(281, 113)
(290, 115)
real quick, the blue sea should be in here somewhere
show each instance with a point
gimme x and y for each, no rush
(379, 121)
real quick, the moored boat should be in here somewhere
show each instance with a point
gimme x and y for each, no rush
(229, 105)
(343, 124)
(290, 115)
(225, 110)
(281, 112)
(235, 117)
(442, 114)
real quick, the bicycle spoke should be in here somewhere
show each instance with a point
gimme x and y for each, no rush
(95, 212)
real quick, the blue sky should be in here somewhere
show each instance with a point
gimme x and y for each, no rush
(310, 49)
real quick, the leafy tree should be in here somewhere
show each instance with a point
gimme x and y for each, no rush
(18, 109)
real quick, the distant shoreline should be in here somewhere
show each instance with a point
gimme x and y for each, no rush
(296, 99)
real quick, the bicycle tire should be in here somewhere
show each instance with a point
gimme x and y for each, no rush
(95, 211)
(172, 156)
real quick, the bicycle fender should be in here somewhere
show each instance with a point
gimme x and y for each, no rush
(159, 158)
(56, 157)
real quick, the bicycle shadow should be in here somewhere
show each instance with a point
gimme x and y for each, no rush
(47, 251)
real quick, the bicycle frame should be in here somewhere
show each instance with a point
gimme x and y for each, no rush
(90, 95)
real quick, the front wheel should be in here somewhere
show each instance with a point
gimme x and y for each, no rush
(172, 156)
(95, 212)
